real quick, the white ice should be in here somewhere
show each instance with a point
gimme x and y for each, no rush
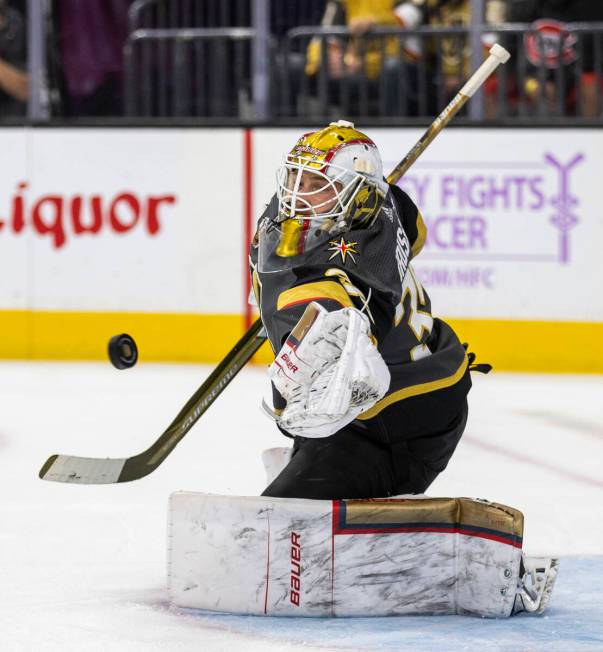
(83, 567)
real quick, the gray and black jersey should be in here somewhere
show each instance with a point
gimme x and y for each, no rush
(370, 268)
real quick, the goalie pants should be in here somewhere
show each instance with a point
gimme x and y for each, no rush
(362, 461)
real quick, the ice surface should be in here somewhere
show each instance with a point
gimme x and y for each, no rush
(83, 567)
(573, 624)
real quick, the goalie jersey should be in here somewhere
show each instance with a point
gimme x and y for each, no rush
(369, 268)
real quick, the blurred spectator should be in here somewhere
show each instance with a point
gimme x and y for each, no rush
(14, 85)
(552, 45)
(362, 58)
(91, 38)
(454, 51)
(394, 60)
(360, 17)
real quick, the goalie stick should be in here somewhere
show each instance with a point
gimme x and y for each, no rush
(91, 470)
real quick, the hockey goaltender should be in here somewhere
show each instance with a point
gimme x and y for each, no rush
(373, 391)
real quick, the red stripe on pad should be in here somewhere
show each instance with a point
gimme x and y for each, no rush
(440, 530)
(267, 565)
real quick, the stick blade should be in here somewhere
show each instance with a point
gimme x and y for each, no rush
(82, 470)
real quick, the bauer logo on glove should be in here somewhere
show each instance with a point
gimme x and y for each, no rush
(290, 365)
(329, 371)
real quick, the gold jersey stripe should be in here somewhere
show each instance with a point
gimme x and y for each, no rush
(314, 291)
(415, 390)
(421, 236)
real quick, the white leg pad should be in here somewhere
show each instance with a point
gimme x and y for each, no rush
(295, 557)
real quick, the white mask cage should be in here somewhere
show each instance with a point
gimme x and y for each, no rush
(329, 198)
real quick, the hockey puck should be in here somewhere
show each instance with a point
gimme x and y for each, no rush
(123, 351)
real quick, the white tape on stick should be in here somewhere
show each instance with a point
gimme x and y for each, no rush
(498, 51)
(498, 55)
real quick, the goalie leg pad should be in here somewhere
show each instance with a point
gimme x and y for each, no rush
(297, 557)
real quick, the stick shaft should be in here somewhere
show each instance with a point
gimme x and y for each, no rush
(92, 470)
(68, 468)
(455, 105)
(497, 56)
(209, 391)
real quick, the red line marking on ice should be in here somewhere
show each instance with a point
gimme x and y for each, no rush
(267, 565)
(526, 459)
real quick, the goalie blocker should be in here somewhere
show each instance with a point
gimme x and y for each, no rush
(379, 557)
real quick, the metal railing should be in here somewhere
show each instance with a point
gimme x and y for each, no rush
(189, 72)
(566, 80)
(186, 14)
(324, 73)
(315, 74)
(267, 18)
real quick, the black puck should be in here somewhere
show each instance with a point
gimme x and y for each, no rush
(123, 351)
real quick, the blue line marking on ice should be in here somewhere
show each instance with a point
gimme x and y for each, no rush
(573, 623)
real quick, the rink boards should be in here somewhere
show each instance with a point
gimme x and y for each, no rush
(146, 230)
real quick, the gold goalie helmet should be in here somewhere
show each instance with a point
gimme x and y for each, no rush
(331, 181)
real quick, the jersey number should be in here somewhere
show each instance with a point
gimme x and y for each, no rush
(420, 322)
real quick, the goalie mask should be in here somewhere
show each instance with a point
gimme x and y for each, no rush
(331, 181)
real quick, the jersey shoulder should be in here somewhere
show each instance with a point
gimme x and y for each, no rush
(412, 220)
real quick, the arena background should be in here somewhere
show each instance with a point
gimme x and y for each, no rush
(146, 231)
(139, 141)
